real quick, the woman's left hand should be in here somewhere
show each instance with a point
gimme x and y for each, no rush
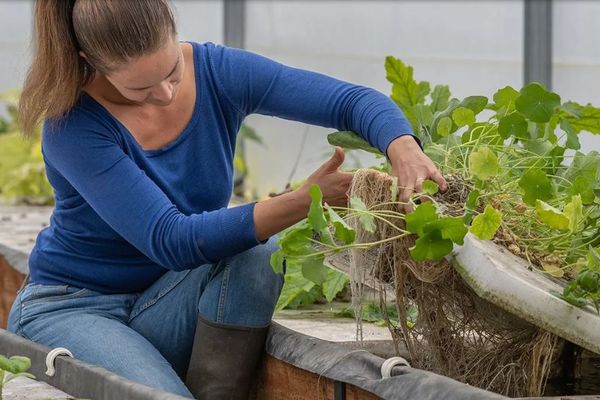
(412, 167)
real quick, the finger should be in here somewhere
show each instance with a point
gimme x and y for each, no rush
(405, 196)
(419, 185)
(336, 160)
(437, 177)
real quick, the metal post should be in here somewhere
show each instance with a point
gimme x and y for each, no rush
(538, 42)
(234, 23)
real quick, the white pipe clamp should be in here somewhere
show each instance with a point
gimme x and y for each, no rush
(386, 367)
(51, 357)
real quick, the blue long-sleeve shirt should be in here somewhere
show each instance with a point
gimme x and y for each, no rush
(124, 216)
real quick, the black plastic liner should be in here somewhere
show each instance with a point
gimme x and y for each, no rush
(362, 369)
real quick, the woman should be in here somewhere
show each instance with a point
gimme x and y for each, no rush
(143, 265)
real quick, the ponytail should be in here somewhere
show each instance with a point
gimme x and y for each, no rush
(108, 32)
(58, 72)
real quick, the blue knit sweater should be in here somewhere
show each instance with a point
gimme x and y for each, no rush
(124, 215)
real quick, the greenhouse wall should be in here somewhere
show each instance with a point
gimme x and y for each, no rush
(475, 47)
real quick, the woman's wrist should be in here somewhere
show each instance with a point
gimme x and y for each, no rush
(273, 215)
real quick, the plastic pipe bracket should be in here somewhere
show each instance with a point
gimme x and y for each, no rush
(390, 363)
(51, 357)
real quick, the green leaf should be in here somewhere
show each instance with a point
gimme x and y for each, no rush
(504, 100)
(423, 214)
(486, 224)
(406, 92)
(351, 141)
(431, 246)
(536, 185)
(551, 216)
(574, 211)
(342, 230)
(581, 186)
(314, 270)
(295, 286)
(277, 260)
(15, 364)
(585, 165)
(536, 103)
(463, 116)
(296, 240)
(483, 163)
(366, 220)
(430, 187)
(444, 126)
(470, 206)
(335, 283)
(583, 118)
(513, 125)
(247, 133)
(572, 138)
(451, 228)
(439, 98)
(316, 218)
(474, 103)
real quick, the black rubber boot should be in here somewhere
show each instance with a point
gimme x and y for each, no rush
(225, 360)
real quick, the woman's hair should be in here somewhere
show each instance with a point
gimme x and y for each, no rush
(108, 32)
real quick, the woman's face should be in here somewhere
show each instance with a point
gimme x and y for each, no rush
(151, 79)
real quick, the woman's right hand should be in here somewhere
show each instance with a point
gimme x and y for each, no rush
(334, 184)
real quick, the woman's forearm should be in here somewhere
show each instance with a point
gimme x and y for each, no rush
(275, 214)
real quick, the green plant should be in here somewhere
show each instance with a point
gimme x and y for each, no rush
(517, 175)
(22, 170)
(16, 366)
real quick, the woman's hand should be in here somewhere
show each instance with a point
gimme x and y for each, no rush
(334, 183)
(275, 214)
(412, 167)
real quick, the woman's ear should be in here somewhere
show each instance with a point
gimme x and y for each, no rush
(82, 54)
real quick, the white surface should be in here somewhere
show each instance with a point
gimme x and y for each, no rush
(503, 279)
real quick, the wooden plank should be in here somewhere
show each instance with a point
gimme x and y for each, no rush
(10, 282)
(282, 381)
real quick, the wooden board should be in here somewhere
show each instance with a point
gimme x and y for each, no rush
(282, 381)
(10, 282)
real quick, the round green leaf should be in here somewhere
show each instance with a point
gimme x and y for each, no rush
(314, 270)
(463, 116)
(536, 185)
(430, 187)
(444, 127)
(505, 99)
(514, 125)
(431, 246)
(551, 216)
(423, 214)
(483, 163)
(536, 103)
(486, 224)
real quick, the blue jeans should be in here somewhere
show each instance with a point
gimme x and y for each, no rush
(147, 337)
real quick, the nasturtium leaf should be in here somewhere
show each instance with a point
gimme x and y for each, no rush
(314, 270)
(470, 206)
(316, 217)
(536, 185)
(430, 187)
(486, 224)
(436, 152)
(474, 103)
(296, 239)
(439, 98)
(551, 216)
(513, 125)
(583, 118)
(593, 259)
(15, 364)
(343, 231)
(553, 269)
(431, 246)
(504, 100)
(574, 211)
(444, 126)
(581, 186)
(277, 260)
(536, 103)
(366, 220)
(483, 163)
(351, 141)
(394, 188)
(295, 286)
(334, 284)
(585, 165)
(451, 228)
(406, 92)
(572, 138)
(423, 214)
(463, 116)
